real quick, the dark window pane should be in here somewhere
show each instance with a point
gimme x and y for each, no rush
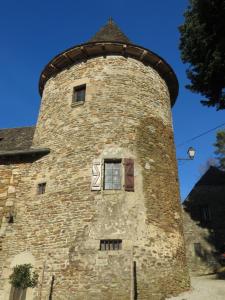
(111, 245)
(116, 245)
(102, 246)
(106, 245)
(41, 188)
(108, 171)
(108, 178)
(116, 186)
(108, 186)
(79, 93)
(116, 178)
(112, 176)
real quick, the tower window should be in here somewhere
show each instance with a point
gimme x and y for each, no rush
(112, 175)
(41, 188)
(106, 245)
(79, 93)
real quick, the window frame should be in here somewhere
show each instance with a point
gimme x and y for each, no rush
(41, 188)
(115, 161)
(76, 89)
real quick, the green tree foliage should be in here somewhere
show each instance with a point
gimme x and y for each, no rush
(202, 45)
(220, 148)
(22, 278)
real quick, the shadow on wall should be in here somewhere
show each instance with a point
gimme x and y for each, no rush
(204, 223)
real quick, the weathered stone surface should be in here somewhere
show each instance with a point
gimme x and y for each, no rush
(126, 114)
(205, 260)
(204, 222)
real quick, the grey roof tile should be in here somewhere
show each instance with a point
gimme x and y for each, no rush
(214, 176)
(110, 33)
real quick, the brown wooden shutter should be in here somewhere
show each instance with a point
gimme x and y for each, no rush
(129, 174)
(96, 175)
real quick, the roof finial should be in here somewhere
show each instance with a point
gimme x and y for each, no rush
(110, 20)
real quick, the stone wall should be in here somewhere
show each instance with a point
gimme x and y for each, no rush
(126, 115)
(208, 230)
(200, 250)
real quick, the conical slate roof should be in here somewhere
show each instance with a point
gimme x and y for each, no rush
(110, 33)
(110, 40)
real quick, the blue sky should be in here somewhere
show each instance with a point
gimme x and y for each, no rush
(33, 32)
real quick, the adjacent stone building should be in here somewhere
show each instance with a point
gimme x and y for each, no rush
(90, 196)
(204, 222)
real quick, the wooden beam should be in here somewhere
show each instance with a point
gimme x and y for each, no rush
(103, 50)
(103, 47)
(84, 51)
(124, 50)
(54, 67)
(158, 63)
(68, 57)
(143, 54)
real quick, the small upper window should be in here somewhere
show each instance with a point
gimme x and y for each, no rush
(112, 175)
(41, 188)
(79, 93)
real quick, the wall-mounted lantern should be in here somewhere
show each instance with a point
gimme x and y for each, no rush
(191, 154)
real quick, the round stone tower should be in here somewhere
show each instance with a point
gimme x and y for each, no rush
(109, 220)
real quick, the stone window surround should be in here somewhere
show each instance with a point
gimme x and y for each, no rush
(76, 84)
(41, 188)
(122, 173)
(76, 91)
(116, 161)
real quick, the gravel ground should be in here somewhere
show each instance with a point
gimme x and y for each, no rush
(204, 288)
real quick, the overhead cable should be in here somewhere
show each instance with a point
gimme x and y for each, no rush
(200, 135)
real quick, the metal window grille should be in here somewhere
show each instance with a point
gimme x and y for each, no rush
(41, 188)
(79, 93)
(107, 245)
(112, 175)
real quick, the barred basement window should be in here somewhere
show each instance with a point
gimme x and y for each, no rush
(79, 93)
(112, 175)
(41, 188)
(106, 245)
